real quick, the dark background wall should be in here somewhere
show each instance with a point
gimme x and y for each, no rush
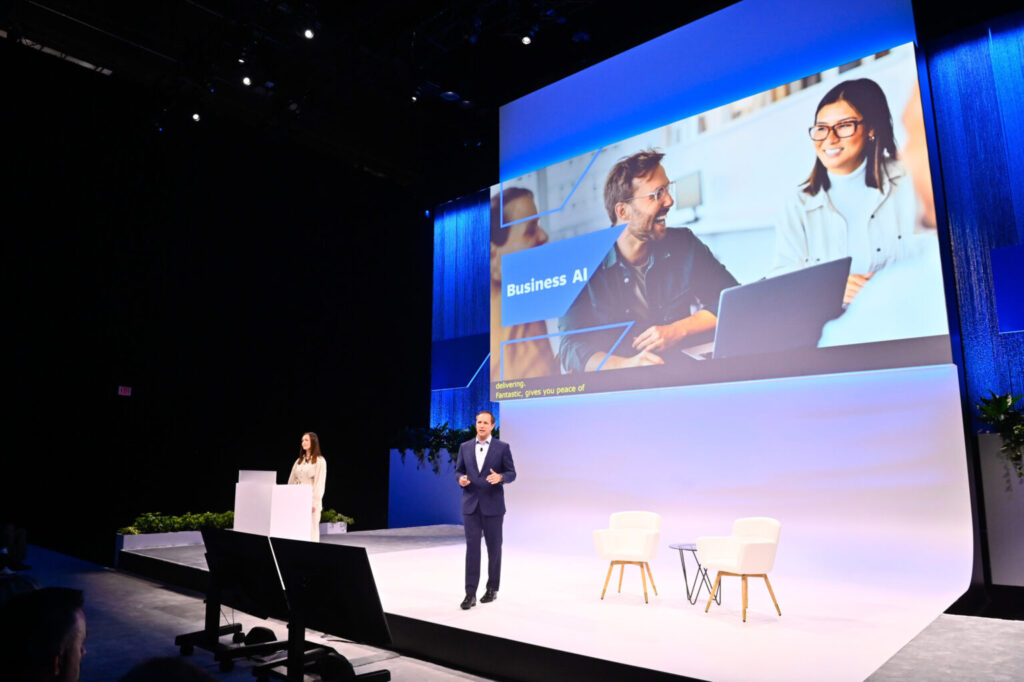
(247, 289)
(977, 78)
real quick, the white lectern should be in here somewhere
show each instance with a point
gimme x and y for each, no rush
(264, 508)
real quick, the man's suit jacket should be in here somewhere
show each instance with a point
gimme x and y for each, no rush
(490, 499)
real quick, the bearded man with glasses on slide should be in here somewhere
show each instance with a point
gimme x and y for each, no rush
(664, 280)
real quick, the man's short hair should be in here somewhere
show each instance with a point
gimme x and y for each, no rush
(619, 184)
(34, 629)
(488, 412)
(499, 234)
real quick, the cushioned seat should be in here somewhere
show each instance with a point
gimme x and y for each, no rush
(631, 538)
(748, 553)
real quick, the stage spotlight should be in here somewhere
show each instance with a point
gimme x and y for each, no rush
(195, 117)
(246, 81)
(241, 60)
(308, 33)
(527, 40)
(414, 99)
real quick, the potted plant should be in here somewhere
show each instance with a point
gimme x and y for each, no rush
(154, 529)
(1001, 415)
(334, 522)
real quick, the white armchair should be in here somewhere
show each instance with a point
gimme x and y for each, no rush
(748, 553)
(631, 538)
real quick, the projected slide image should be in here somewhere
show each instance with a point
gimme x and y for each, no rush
(791, 232)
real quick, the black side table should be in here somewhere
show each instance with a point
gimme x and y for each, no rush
(700, 580)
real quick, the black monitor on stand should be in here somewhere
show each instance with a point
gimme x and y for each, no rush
(330, 588)
(241, 566)
(243, 576)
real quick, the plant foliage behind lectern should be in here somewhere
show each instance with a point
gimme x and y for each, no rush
(999, 413)
(427, 443)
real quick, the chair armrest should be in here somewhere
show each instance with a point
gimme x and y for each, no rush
(756, 556)
(629, 544)
(716, 550)
(603, 542)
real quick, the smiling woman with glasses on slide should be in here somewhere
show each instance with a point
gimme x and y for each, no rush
(858, 200)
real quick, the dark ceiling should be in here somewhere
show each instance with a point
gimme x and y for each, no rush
(349, 90)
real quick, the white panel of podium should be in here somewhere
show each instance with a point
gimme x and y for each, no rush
(264, 508)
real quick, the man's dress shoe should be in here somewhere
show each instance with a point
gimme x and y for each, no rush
(469, 601)
(489, 596)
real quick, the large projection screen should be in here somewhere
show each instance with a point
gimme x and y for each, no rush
(568, 306)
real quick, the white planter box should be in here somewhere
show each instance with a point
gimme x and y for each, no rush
(183, 538)
(149, 540)
(187, 538)
(1004, 513)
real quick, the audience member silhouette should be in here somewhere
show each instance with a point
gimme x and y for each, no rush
(42, 636)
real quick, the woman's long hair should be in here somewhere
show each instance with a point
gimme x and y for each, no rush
(864, 95)
(314, 448)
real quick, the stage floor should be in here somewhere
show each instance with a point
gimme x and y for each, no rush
(828, 631)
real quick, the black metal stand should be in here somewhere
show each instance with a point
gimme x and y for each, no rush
(700, 580)
(209, 637)
(323, 661)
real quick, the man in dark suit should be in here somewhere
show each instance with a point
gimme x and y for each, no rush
(484, 467)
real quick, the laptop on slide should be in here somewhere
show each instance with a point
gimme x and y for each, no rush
(777, 313)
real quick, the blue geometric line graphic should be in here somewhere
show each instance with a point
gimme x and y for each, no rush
(627, 325)
(471, 380)
(501, 193)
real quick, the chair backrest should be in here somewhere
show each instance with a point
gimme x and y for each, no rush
(635, 519)
(761, 527)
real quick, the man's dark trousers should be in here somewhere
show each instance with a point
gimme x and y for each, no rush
(490, 526)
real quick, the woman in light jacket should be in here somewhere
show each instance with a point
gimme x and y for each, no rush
(858, 200)
(311, 469)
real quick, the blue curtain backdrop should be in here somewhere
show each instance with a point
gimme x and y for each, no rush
(977, 82)
(461, 318)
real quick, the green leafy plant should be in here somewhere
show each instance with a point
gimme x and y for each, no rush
(427, 443)
(155, 522)
(331, 516)
(1000, 414)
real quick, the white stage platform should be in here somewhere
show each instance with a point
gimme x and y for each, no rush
(828, 630)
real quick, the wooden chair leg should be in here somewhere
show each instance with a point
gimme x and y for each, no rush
(622, 567)
(744, 579)
(607, 578)
(643, 578)
(651, 576)
(714, 589)
(771, 592)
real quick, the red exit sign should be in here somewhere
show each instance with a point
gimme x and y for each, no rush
(124, 390)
